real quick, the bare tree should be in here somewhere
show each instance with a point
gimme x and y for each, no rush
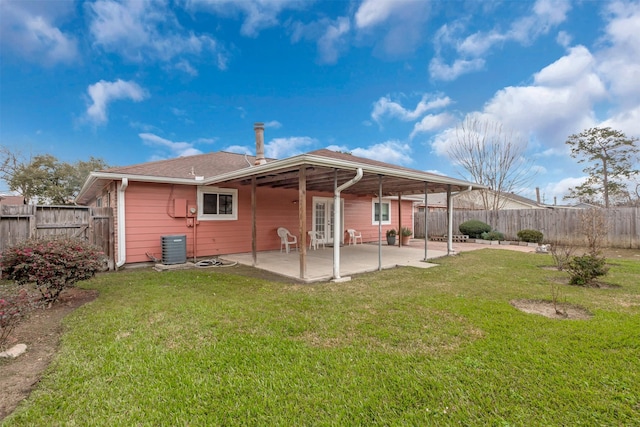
(491, 156)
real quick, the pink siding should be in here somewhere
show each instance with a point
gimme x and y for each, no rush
(358, 214)
(149, 215)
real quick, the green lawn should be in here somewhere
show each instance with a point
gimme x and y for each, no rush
(441, 346)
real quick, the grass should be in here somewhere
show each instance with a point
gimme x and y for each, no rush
(441, 346)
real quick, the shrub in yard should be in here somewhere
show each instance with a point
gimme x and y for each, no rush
(52, 264)
(533, 236)
(492, 235)
(584, 269)
(474, 228)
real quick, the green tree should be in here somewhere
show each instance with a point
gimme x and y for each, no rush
(611, 156)
(45, 179)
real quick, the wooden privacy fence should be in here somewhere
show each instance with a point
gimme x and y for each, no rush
(560, 225)
(21, 222)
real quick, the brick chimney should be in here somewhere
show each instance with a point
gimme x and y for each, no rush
(259, 129)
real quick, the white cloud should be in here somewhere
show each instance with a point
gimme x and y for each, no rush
(176, 149)
(628, 121)
(103, 93)
(395, 152)
(567, 69)
(402, 23)
(385, 107)
(332, 42)
(259, 14)
(438, 70)
(559, 103)
(619, 60)
(273, 124)
(560, 189)
(29, 30)
(470, 50)
(280, 148)
(329, 35)
(432, 122)
(142, 31)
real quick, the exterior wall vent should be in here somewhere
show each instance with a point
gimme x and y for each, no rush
(174, 249)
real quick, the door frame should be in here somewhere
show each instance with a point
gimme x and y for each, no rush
(328, 201)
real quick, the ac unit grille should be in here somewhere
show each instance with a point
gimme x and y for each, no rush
(174, 249)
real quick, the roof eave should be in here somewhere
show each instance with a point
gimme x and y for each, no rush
(314, 160)
(110, 176)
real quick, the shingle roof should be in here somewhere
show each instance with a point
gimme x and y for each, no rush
(206, 165)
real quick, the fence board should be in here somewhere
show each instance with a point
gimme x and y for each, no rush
(21, 222)
(560, 225)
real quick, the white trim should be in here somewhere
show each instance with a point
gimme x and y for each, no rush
(122, 237)
(217, 217)
(374, 202)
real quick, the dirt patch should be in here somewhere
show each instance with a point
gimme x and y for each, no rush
(41, 333)
(546, 308)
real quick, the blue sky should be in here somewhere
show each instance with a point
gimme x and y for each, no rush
(134, 81)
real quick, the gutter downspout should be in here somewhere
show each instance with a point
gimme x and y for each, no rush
(337, 227)
(450, 250)
(122, 248)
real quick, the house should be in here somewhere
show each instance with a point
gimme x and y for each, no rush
(475, 200)
(228, 203)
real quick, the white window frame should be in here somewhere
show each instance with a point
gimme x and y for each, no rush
(217, 217)
(374, 202)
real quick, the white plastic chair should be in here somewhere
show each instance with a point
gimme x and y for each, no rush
(354, 236)
(315, 238)
(287, 239)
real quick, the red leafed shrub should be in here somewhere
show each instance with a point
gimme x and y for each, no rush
(52, 264)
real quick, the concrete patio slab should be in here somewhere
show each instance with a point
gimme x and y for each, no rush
(356, 259)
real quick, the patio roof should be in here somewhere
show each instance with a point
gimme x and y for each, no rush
(324, 168)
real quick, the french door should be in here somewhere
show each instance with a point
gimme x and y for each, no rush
(323, 217)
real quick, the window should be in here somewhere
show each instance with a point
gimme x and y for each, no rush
(217, 203)
(386, 212)
(99, 202)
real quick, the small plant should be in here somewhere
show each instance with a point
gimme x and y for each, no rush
(584, 269)
(474, 228)
(561, 254)
(391, 232)
(556, 294)
(492, 235)
(532, 236)
(595, 227)
(406, 232)
(52, 264)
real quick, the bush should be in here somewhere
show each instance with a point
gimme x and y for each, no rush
(584, 269)
(492, 235)
(52, 264)
(533, 236)
(474, 228)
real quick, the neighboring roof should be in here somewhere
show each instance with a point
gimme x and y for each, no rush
(11, 200)
(467, 201)
(322, 168)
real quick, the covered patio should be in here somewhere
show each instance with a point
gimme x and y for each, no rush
(355, 259)
(339, 173)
